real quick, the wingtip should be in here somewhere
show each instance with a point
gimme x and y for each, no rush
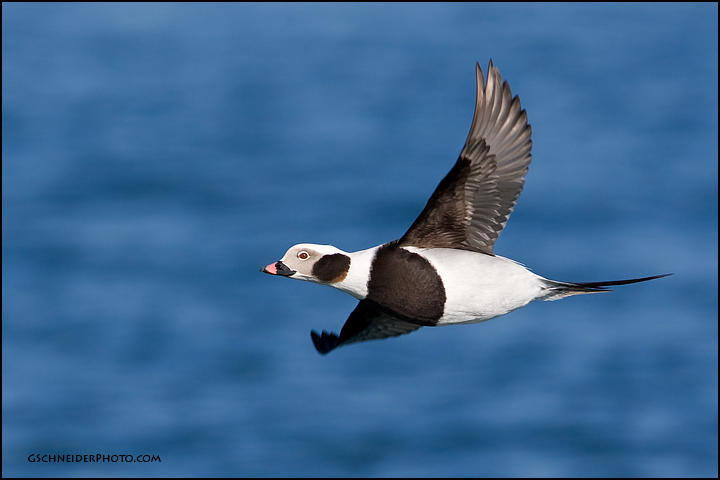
(325, 342)
(479, 76)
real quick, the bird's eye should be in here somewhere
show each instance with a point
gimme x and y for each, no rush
(303, 255)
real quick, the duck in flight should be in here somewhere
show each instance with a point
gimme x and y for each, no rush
(443, 270)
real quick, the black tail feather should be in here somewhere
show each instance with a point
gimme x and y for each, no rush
(556, 290)
(601, 285)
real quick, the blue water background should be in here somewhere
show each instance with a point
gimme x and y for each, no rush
(155, 156)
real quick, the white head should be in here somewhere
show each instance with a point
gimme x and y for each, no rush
(313, 263)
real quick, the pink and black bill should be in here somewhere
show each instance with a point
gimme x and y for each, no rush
(278, 268)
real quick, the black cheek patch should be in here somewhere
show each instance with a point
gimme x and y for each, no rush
(331, 268)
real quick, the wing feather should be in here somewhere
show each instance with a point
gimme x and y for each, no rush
(366, 322)
(472, 204)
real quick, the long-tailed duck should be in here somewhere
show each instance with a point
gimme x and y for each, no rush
(443, 270)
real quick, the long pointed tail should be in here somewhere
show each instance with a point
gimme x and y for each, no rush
(557, 290)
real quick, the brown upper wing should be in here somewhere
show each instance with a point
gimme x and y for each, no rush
(472, 204)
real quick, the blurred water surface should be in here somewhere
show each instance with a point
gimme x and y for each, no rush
(155, 156)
